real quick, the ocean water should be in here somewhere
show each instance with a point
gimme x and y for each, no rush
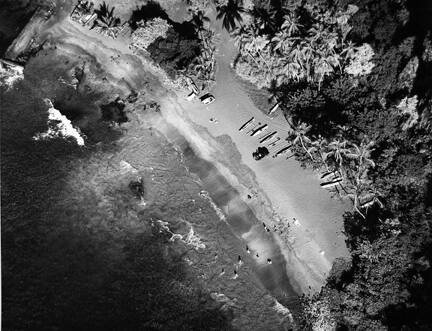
(81, 252)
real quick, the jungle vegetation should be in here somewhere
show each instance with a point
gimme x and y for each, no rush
(354, 79)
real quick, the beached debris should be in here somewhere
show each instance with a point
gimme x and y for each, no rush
(59, 126)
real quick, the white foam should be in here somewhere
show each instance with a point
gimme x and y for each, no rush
(59, 126)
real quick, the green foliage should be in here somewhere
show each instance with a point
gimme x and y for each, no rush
(374, 132)
(175, 52)
(230, 13)
(309, 45)
(106, 22)
(147, 32)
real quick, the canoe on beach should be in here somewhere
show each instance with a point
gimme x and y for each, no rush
(282, 151)
(259, 130)
(268, 137)
(247, 124)
(254, 128)
(327, 174)
(331, 183)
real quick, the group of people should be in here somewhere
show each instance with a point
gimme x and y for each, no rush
(240, 260)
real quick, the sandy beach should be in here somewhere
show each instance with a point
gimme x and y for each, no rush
(315, 239)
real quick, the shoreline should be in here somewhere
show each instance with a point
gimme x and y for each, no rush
(306, 267)
(270, 179)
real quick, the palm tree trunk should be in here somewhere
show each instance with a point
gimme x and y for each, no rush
(304, 147)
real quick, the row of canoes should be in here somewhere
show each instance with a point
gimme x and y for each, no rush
(330, 178)
(255, 129)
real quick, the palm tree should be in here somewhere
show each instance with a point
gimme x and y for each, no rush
(243, 36)
(230, 14)
(300, 131)
(358, 185)
(290, 25)
(354, 194)
(362, 153)
(263, 21)
(349, 50)
(373, 196)
(106, 20)
(321, 68)
(280, 42)
(316, 33)
(338, 149)
(320, 146)
(198, 21)
(297, 55)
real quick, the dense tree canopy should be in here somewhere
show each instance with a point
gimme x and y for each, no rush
(354, 79)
